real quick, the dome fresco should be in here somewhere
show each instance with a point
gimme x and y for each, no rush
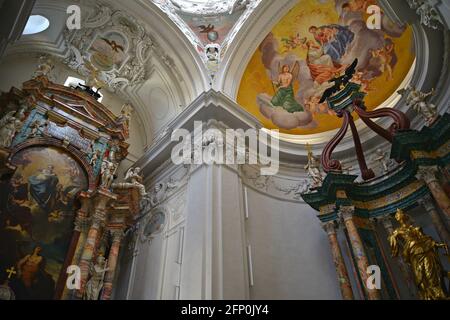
(314, 42)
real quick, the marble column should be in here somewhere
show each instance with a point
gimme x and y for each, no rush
(428, 205)
(116, 238)
(98, 222)
(358, 250)
(386, 221)
(80, 232)
(428, 175)
(341, 270)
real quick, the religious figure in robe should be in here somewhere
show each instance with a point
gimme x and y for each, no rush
(334, 38)
(285, 96)
(43, 188)
(321, 65)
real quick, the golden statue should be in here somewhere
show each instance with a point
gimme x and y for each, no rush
(421, 253)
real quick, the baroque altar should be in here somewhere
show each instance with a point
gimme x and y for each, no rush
(62, 213)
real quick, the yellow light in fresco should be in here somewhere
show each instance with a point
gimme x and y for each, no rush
(256, 79)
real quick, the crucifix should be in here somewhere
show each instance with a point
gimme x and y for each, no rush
(11, 271)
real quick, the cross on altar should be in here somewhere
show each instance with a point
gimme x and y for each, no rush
(11, 271)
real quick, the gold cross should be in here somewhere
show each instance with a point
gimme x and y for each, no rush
(11, 271)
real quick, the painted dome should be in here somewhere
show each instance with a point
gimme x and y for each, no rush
(317, 40)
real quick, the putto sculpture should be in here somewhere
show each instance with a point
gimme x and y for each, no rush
(313, 169)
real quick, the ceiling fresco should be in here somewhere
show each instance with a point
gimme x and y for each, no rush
(210, 25)
(314, 42)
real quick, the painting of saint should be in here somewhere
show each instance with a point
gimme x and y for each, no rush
(43, 188)
(285, 96)
(37, 214)
(315, 43)
(334, 39)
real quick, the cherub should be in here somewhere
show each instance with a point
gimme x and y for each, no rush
(384, 56)
(293, 42)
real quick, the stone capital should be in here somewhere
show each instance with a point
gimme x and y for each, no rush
(346, 213)
(427, 174)
(386, 221)
(116, 235)
(98, 219)
(81, 223)
(427, 203)
(329, 227)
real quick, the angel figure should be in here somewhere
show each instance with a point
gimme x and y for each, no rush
(383, 160)
(135, 179)
(95, 283)
(108, 172)
(284, 96)
(8, 131)
(95, 155)
(417, 100)
(313, 169)
(94, 78)
(45, 66)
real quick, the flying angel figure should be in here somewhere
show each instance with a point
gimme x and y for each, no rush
(206, 29)
(114, 45)
(284, 92)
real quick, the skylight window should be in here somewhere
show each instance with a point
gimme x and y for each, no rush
(73, 83)
(36, 24)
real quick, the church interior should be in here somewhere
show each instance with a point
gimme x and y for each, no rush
(224, 150)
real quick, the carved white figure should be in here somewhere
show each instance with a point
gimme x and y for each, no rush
(382, 158)
(417, 100)
(135, 179)
(95, 155)
(125, 115)
(37, 128)
(20, 115)
(45, 67)
(6, 118)
(313, 170)
(8, 131)
(108, 172)
(95, 283)
(303, 188)
(157, 194)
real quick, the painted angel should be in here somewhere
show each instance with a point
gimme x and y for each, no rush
(285, 96)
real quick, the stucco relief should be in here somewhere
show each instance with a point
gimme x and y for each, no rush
(113, 49)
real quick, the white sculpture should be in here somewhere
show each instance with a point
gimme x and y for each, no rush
(45, 66)
(95, 155)
(158, 194)
(37, 128)
(108, 171)
(6, 118)
(135, 179)
(8, 131)
(313, 169)
(417, 100)
(95, 283)
(383, 160)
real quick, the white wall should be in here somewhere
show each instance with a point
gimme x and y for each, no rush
(205, 256)
(290, 251)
